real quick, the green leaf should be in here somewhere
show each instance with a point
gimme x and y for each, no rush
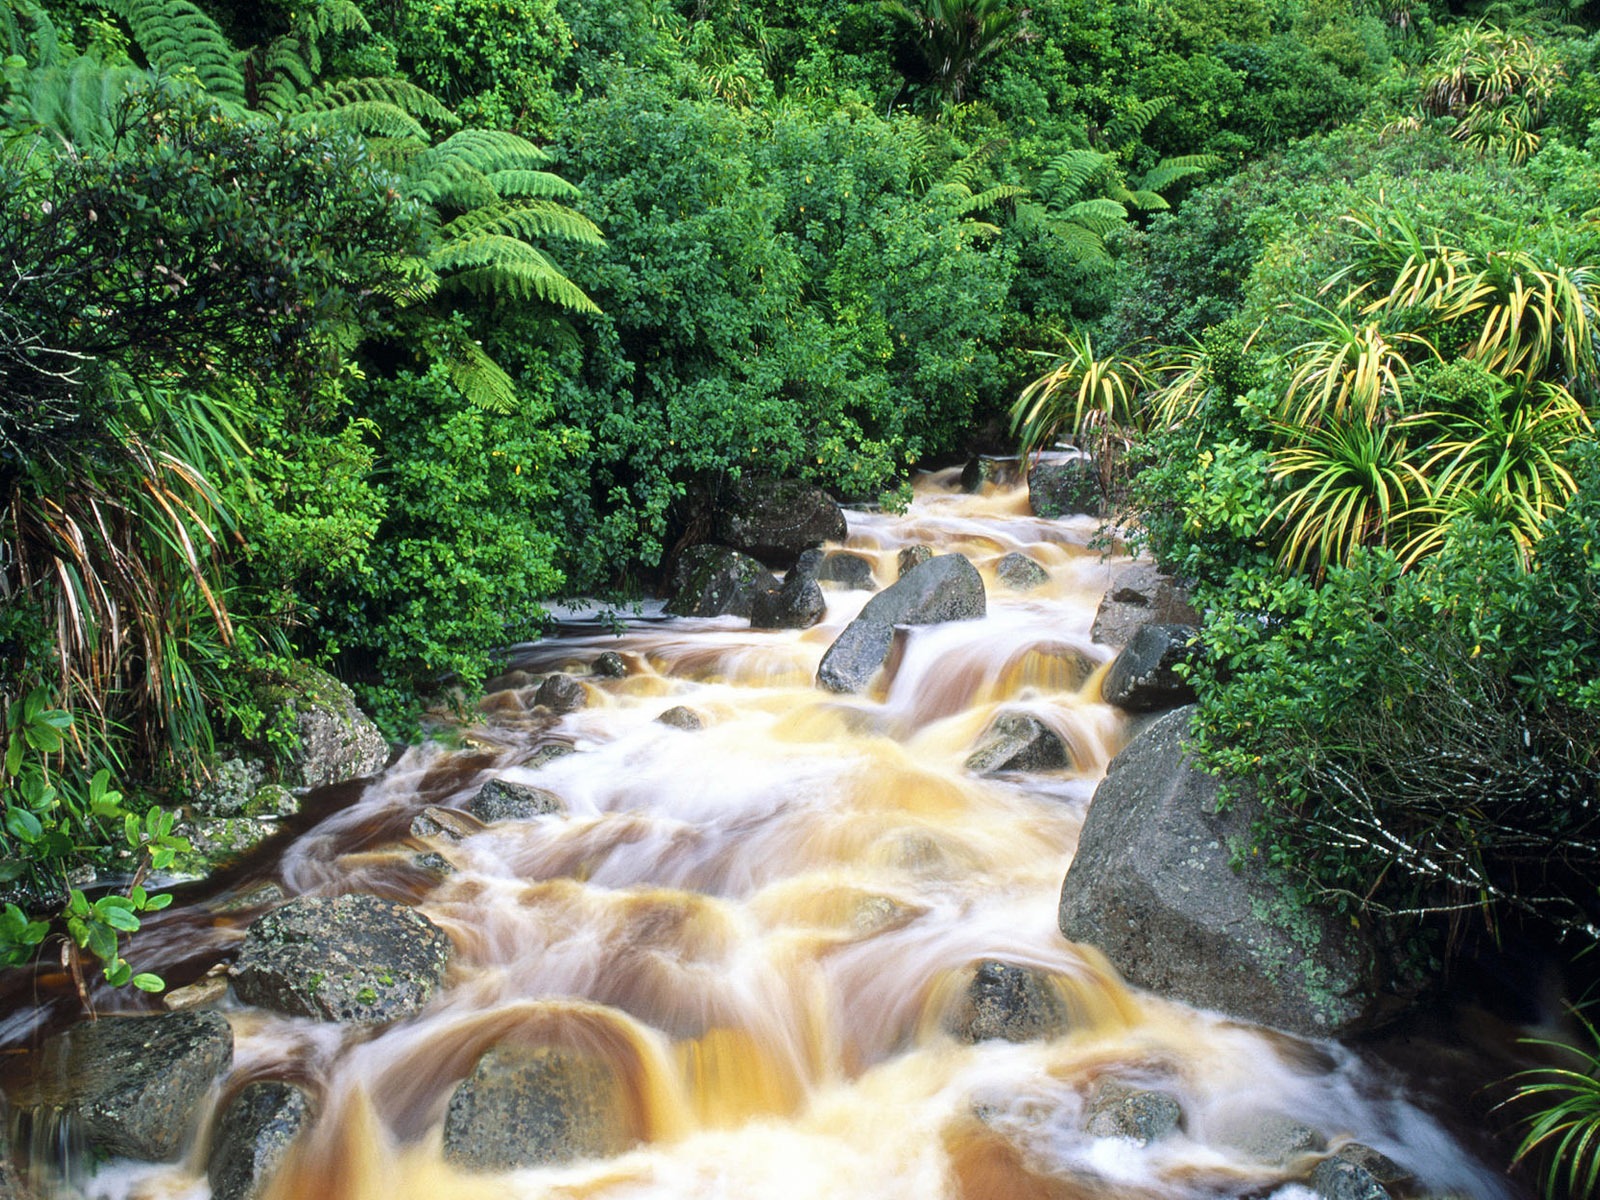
(23, 825)
(147, 982)
(121, 919)
(43, 738)
(118, 973)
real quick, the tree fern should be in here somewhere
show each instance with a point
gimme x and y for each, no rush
(540, 184)
(1174, 169)
(77, 102)
(496, 264)
(27, 32)
(1130, 125)
(399, 93)
(480, 379)
(370, 117)
(175, 35)
(526, 219)
(1067, 176)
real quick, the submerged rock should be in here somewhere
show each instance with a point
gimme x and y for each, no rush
(1020, 573)
(798, 604)
(1119, 1110)
(1065, 488)
(946, 588)
(850, 570)
(545, 754)
(1144, 676)
(911, 556)
(1156, 886)
(138, 1083)
(536, 1106)
(1357, 1172)
(775, 519)
(682, 717)
(1016, 1004)
(502, 800)
(609, 665)
(978, 472)
(715, 581)
(252, 1138)
(342, 958)
(1270, 1138)
(1140, 594)
(561, 694)
(1018, 742)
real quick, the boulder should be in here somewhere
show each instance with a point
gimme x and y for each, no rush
(978, 472)
(1140, 594)
(561, 694)
(252, 1137)
(1005, 1001)
(609, 665)
(775, 519)
(1357, 1172)
(342, 958)
(1018, 742)
(1144, 676)
(946, 588)
(436, 822)
(502, 800)
(1020, 573)
(138, 1083)
(1268, 1137)
(1065, 488)
(1119, 1110)
(714, 581)
(536, 1106)
(911, 556)
(682, 717)
(1154, 886)
(336, 741)
(545, 754)
(798, 604)
(850, 570)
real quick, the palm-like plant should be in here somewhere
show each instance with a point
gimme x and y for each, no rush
(955, 37)
(1353, 368)
(1496, 84)
(1090, 397)
(1565, 1129)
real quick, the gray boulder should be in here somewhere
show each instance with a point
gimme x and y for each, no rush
(252, 1137)
(682, 717)
(850, 570)
(1119, 1110)
(342, 958)
(1005, 1001)
(978, 472)
(798, 604)
(855, 656)
(138, 1083)
(1357, 1172)
(1065, 488)
(337, 741)
(1140, 594)
(609, 665)
(911, 556)
(775, 519)
(946, 588)
(1269, 1137)
(1154, 886)
(537, 1106)
(561, 694)
(1144, 677)
(715, 581)
(1020, 573)
(548, 753)
(502, 800)
(1018, 742)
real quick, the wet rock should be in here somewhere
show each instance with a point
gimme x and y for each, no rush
(502, 800)
(1357, 1172)
(1020, 573)
(1144, 676)
(1017, 1004)
(775, 519)
(1153, 884)
(714, 581)
(525, 1107)
(1118, 1110)
(211, 988)
(342, 958)
(1140, 594)
(851, 570)
(609, 665)
(138, 1083)
(545, 754)
(337, 741)
(680, 717)
(433, 864)
(855, 656)
(260, 894)
(946, 588)
(215, 843)
(436, 822)
(1018, 742)
(798, 604)
(561, 694)
(229, 790)
(911, 556)
(1065, 488)
(806, 565)
(978, 472)
(252, 1138)
(1271, 1138)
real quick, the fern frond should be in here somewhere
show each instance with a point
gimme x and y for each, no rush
(336, 16)
(174, 35)
(1141, 199)
(448, 181)
(491, 150)
(27, 32)
(1066, 176)
(494, 264)
(528, 220)
(1128, 126)
(1176, 168)
(372, 117)
(407, 97)
(481, 380)
(408, 280)
(1099, 215)
(392, 154)
(76, 102)
(1082, 243)
(541, 184)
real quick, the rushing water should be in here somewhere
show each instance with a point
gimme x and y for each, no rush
(762, 923)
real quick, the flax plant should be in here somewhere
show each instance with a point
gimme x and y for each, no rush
(1091, 398)
(1566, 1128)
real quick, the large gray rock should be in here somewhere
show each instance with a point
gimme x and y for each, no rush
(252, 1138)
(775, 519)
(1140, 594)
(502, 800)
(850, 570)
(1122, 1111)
(1269, 1137)
(1357, 1172)
(1018, 742)
(337, 741)
(561, 694)
(1065, 488)
(1020, 573)
(537, 1106)
(1005, 1001)
(342, 958)
(138, 1083)
(946, 588)
(798, 604)
(1154, 886)
(1144, 677)
(714, 581)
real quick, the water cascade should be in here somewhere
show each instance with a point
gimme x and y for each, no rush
(760, 933)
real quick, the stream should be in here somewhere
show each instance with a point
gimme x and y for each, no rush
(764, 924)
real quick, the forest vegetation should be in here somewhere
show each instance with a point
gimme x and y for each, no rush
(346, 332)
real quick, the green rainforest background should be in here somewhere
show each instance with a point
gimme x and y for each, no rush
(343, 334)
